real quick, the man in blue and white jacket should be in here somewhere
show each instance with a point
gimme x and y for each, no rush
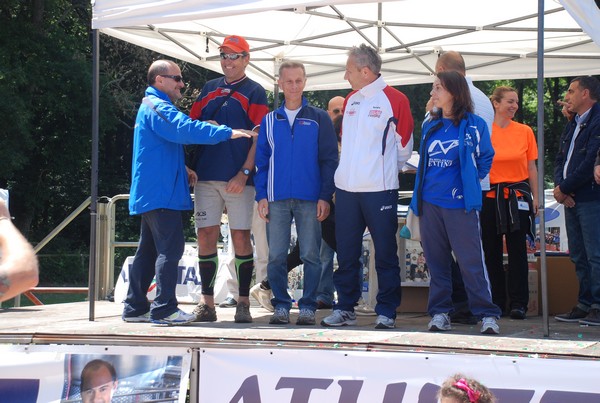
(296, 158)
(160, 191)
(376, 142)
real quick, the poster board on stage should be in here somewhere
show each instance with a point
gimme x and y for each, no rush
(188, 287)
(189, 284)
(43, 374)
(556, 231)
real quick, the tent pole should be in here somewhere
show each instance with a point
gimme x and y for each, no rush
(379, 29)
(276, 63)
(542, 199)
(94, 173)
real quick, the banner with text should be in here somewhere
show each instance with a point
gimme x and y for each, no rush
(312, 376)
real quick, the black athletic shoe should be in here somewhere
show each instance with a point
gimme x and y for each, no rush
(463, 317)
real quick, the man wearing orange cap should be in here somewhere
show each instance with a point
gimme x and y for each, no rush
(225, 176)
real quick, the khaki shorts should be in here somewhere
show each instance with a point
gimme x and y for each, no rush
(210, 200)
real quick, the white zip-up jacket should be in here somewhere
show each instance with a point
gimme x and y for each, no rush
(377, 138)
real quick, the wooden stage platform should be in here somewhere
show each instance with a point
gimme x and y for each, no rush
(69, 324)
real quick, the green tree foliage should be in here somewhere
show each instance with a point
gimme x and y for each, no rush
(45, 81)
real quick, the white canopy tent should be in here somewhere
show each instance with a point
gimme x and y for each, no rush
(497, 39)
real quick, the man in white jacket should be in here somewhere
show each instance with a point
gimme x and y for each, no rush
(376, 142)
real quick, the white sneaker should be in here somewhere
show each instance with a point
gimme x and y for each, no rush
(364, 309)
(144, 318)
(439, 323)
(177, 318)
(339, 318)
(383, 322)
(489, 325)
(262, 296)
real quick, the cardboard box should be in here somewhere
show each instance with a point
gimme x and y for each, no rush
(534, 298)
(563, 286)
(414, 299)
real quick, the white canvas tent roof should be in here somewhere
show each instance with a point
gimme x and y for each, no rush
(497, 39)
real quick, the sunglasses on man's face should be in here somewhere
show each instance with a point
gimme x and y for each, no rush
(232, 56)
(336, 111)
(172, 77)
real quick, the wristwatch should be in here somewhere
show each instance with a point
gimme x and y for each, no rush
(245, 171)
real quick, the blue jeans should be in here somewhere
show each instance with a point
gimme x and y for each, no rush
(158, 254)
(278, 237)
(583, 231)
(326, 290)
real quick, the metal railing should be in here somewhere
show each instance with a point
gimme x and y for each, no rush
(106, 244)
(37, 248)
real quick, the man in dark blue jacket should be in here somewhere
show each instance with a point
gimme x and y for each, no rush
(296, 158)
(160, 190)
(576, 189)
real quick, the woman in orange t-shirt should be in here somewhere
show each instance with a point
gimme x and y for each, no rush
(509, 208)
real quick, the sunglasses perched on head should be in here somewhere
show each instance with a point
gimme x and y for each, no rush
(232, 56)
(176, 78)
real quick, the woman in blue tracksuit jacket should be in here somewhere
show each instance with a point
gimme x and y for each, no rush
(456, 153)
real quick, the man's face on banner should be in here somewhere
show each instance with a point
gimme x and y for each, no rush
(99, 388)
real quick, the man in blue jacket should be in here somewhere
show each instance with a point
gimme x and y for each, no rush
(576, 189)
(296, 158)
(160, 191)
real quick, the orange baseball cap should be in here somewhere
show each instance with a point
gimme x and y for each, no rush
(235, 43)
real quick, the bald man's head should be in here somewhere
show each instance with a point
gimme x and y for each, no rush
(451, 61)
(334, 107)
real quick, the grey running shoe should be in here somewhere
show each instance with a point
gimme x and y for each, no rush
(281, 316)
(383, 322)
(229, 302)
(339, 318)
(177, 318)
(262, 296)
(489, 325)
(306, 317)
(439, 323)
(242, 313)
(205, 313)
(145, 318)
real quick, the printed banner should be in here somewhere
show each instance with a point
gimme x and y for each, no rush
(188, 288)
(307, 376)
(556, 231)
(68, 374)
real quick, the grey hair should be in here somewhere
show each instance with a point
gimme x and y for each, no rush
(289, 64)
(366, 56)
